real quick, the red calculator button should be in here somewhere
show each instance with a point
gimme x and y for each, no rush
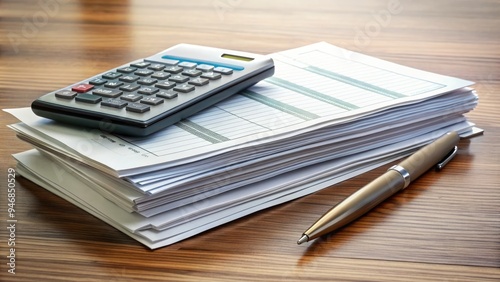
(82, 88)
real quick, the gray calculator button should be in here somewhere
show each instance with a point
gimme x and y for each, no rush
(165, 84)
(204, 67)
(129, 78)
(66, 94)
(88, 98)
(109, 93)
(173, 69)
(167, 94)
(160, 75)
(147, 81)
(211, 75)
(184, 88)
(140, 65)
(178, 78)
(147, 90)
(152, 100)
(188, 65)
(113, 84)
(111, 75)
(98, 81)
(129, 87)
(192, 72)
(126, 70)
(156, 67)
(114, 103)
(223, 70)
(131, 97)
(137, 107)
(143, 72)
(198, 81)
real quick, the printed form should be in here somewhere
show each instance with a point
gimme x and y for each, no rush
(314, 86)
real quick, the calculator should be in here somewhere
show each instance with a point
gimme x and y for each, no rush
(147, 95)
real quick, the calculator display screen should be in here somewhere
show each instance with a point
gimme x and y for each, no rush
(236, 57)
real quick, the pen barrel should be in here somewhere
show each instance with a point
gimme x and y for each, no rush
(384, 186)
(430, 155)
(357, 204)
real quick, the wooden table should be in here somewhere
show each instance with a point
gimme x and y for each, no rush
(446, 227)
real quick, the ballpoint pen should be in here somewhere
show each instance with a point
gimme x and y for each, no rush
(398, 177)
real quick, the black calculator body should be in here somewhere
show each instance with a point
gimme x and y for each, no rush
(144, 96)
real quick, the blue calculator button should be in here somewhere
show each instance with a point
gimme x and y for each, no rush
(196, 62)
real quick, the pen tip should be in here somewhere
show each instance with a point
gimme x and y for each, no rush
(303, 239)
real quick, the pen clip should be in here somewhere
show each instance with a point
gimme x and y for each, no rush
(447, 158)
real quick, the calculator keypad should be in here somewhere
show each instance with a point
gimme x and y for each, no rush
(142, 85)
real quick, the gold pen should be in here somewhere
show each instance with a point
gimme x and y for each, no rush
(398, 177)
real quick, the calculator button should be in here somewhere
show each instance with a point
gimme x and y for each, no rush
(168, 60)
(143, 72)
(126, 70)
(184, 88)
(211, 75)
(147, 81)
(140, 65)
(204, 67)
(179, 78)
(109, 93)
(160, 75)
(98, 81)
(129, 78)
(198, 81)
(152, 100)
(192, 72)
(156, 67)
(147, 90)
(82, 88)
(173, 69)
(129, 87)
(114, 103)
(111, 75)
(223, 70)
(131, 97)
(66, 94)
(167, 94)
(188, 65)
(88, 98)
(137, 108)
(165, 84)
(113, 84)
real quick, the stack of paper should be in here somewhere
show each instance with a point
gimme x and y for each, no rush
(325, 116)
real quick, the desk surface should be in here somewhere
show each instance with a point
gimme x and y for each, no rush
(445, 227)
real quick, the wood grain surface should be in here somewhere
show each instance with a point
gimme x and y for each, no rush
(445, 227)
